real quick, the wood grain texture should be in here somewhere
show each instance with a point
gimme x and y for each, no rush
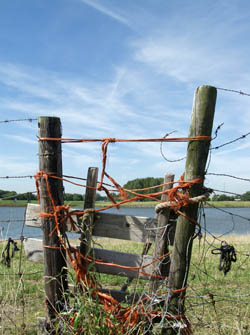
(197, 153)
(125, 227)
(50, 161)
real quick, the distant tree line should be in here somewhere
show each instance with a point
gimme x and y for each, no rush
(138, 183)
(223, 197)
(12, 195)
(80, 197)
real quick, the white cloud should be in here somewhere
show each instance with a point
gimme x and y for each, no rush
(33, 83)
(19, 138)
(106, 11)
(17, 165)
(148, 93)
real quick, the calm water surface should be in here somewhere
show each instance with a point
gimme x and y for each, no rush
(215, 221)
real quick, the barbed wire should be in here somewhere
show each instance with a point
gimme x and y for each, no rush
(18, 120)
(228, 212)
(234, 91)
(217, 130)
(15, 177)
(163, 155)
(227, 192)
(230, 142)
(228, 175)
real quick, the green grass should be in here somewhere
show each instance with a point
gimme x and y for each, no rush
(231, 309)
(215, 304)
(228, 204)
(21, 295)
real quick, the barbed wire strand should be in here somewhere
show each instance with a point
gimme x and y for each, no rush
(227, 192)
(18, 120)
(163, 155)
(230, 142)
(228, 212)
(227, 175)
(15, 177)
(233, 91)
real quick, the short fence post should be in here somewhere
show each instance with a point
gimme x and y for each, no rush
(50, 161)
(89, 203)
(161, 267)
(197, 152)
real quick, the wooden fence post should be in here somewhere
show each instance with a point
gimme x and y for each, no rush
(197, 152)
(161, 267)
(50, 161)
(89, 203)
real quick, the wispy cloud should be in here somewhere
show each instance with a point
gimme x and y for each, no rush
(19, 138)
(106, 11)
(197, 50)
(97, 109)
(17, 165)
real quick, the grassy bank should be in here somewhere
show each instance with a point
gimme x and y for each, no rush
(142, 204)
(216, 304)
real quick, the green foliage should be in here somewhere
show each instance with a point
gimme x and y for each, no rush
(7, 194)
(140, 183)
(99, 197)
(68, 196)
(88, 317)
(77, 197)
(245, 196)
(12, 195)
(222, 197)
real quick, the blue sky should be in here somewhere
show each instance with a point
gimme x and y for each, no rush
(124, 69)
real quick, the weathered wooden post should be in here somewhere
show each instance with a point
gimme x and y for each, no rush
(161, 267)
(89, 203)
(197, 152)
(50, 161)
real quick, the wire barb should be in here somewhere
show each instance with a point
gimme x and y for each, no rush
(18, 120)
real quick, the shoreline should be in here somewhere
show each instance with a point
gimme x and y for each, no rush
(147, 204)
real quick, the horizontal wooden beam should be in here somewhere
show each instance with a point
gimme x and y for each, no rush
(34, 252)
(122, 259)
(125, 227)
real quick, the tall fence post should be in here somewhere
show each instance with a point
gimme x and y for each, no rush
(197, 152)
(50, 161)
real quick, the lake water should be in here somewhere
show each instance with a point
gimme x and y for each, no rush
(217, 221)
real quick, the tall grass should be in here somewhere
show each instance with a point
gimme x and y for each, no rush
(215, 303)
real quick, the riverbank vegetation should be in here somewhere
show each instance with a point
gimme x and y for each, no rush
(137, 204)
(215, 303)
(11, 198)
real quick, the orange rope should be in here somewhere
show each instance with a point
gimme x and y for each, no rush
(107, 140)
(105, 143)
(51, 247)
(113, 140)
(128, 317)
